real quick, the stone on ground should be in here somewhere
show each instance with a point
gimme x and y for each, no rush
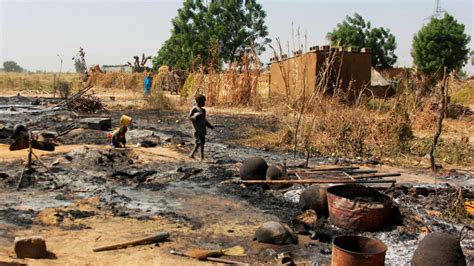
(276, 233)
(30, 247)
(97, 123)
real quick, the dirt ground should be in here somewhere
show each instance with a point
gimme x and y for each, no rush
(93, 195)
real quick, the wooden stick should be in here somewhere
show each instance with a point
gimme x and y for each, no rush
(44, 165)
(143, 241)
(75, 96)
(352, 172)
(380, 175)
(21, 178)
(356, 172)
(322, 169)
(313, 181)
(231, 262)
(30, 149)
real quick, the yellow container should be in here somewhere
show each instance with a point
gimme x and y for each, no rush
(469, 206)
(125, 120)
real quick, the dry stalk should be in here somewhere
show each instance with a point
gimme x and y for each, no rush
(442, 113)
(456, 211)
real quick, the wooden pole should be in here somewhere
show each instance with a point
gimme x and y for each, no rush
(28, 164)
(30, 149)
(313, 181)
(162, 236)
(343, 168)
(378, 176)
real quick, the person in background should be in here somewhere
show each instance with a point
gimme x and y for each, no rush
(198, 117)
(147, 84)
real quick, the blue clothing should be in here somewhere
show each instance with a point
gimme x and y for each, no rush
(147, 85)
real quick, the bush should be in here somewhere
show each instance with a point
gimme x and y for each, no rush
(64, 88)
(450, 151)
(158, 101)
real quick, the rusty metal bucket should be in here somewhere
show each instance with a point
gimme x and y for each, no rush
(358, 207)
(351, 250)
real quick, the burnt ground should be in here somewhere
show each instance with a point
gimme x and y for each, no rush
(196, 201)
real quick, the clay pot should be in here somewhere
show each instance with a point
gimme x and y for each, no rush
(314, 198)
(276, 172)
(253, 168)
(438, 249)
(276, 233)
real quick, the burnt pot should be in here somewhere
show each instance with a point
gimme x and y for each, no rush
(358, 207)
(357, 250)
(253, 168)
(439, 249)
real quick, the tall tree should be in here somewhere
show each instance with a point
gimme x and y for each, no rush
(441, 42)
(11, 66)
(80, 61)
(356, 32)
(214, 33)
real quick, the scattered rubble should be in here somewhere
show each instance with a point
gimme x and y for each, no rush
(201, 203)
(86, 104)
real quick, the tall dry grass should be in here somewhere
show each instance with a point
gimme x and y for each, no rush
(35, 82)
(119, 80)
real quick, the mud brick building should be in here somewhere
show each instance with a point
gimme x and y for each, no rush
(350, 71)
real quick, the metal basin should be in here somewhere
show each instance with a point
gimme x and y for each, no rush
(358, 207)
(357, 250)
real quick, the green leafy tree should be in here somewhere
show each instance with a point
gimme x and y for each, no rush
(441, 42)
(472, 58)
(213, 33)
(356, 32)
(11, 66)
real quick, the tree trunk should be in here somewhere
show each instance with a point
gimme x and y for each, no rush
(440, 121)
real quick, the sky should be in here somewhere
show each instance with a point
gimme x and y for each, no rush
(35, 34)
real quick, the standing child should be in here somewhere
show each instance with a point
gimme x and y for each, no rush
(198, 117)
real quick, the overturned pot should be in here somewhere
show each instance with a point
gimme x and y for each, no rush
(357, 250)
(358, 207)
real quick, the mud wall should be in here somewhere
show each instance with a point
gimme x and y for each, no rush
(291, 76)
(349, 72)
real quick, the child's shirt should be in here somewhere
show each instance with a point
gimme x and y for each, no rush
(198, 117)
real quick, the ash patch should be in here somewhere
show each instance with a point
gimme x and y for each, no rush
(263, 200)
(17, 217)
(85, 136)
(151, 186)
(182, 219)
(76, 227)
(73, 214)
(134, 175)
(102, 159)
